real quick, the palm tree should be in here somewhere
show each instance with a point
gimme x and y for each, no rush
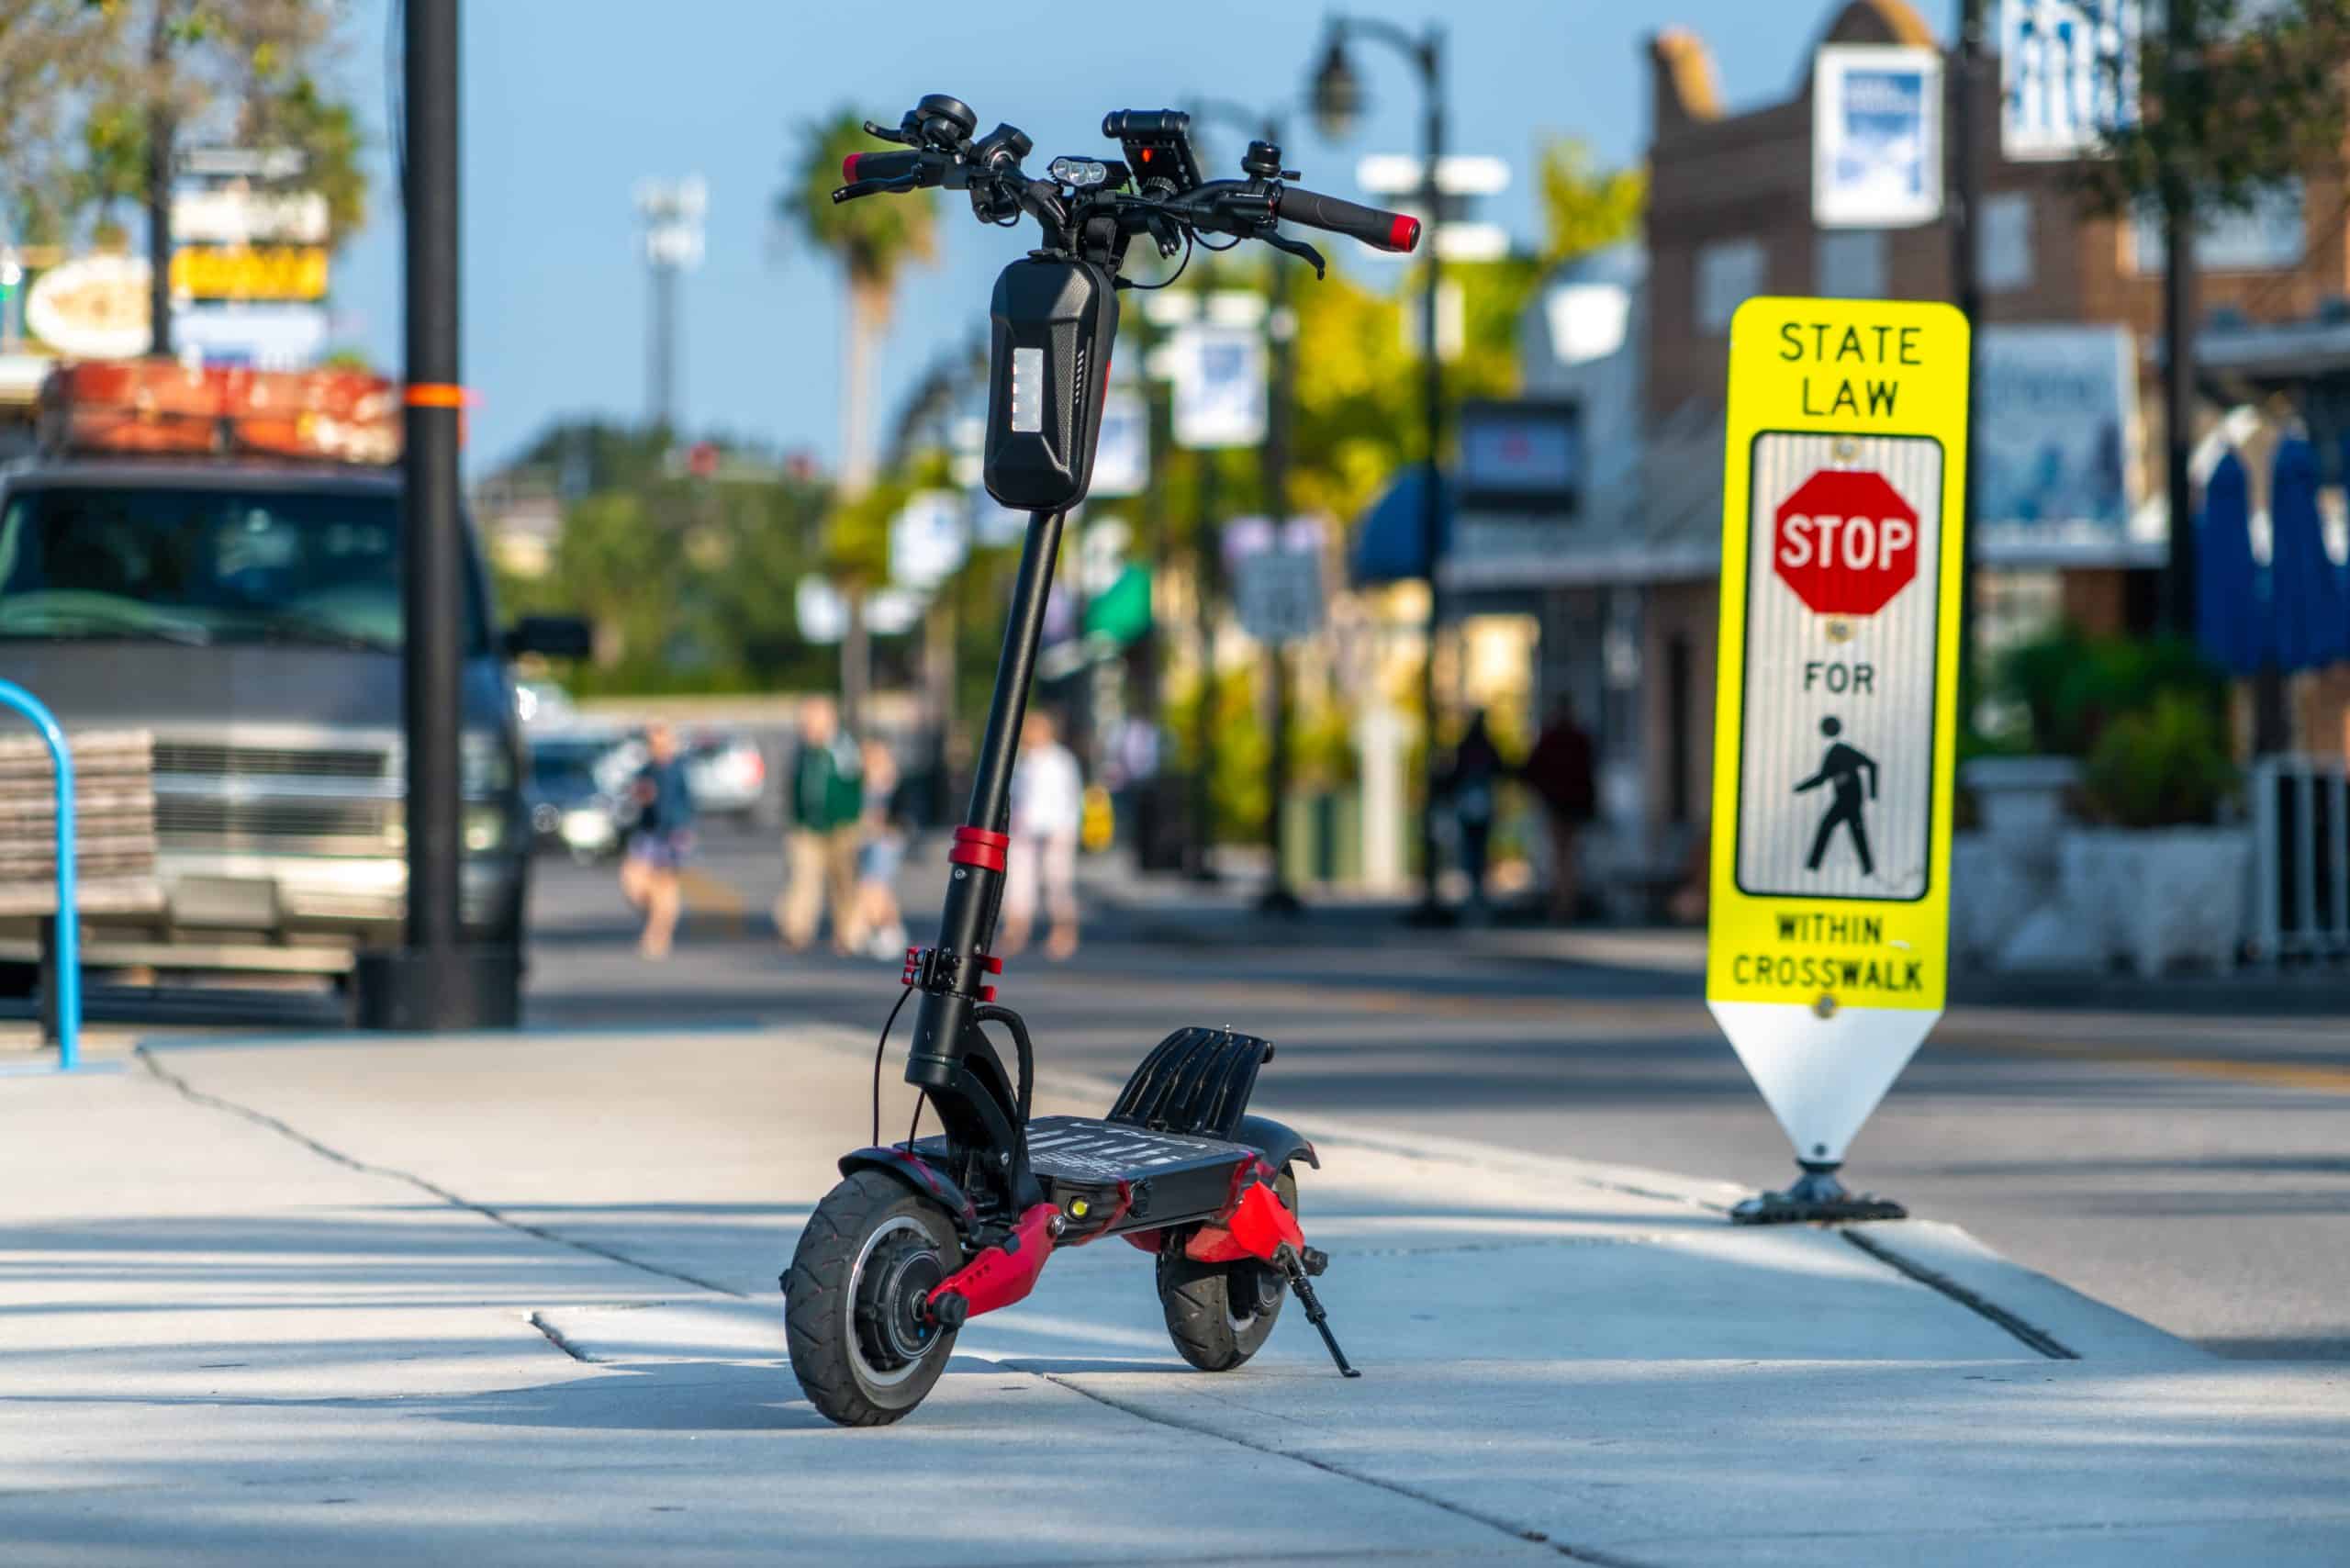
(872, 239)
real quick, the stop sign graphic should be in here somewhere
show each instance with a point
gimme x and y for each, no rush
(1845, 541)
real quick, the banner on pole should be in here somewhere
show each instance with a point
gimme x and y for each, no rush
(2068, 75)
(1876, 137)
(1220, 398)
(1121, 456)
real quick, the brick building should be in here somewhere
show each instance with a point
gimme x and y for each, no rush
(1627, 594)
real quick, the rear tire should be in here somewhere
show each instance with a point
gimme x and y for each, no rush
(870, 1254)
(1219, 1314)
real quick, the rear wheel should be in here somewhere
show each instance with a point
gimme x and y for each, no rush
(861, 1345)
(1219, 1314)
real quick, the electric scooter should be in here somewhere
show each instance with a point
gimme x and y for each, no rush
(924, 1235)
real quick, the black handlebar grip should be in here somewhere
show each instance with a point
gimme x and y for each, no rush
(880, 166)
(1385, 230)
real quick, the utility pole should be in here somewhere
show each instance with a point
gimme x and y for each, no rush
(1338, 102)
(1197, 861)
(435, 981)
(161, 132)
(2178, 351)
(1279, 898)
(1966, 199)
(671, 211)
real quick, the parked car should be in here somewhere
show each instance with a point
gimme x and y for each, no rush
(571, 808)
(727, 774)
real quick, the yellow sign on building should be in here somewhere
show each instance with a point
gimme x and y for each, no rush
(250, 271)
(1836, 724)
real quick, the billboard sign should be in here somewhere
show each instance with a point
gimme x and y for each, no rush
(1876, 137)
(230, 216)
(266, 335)
(2054, 470)
(1521, 456)
(91, 307)
(2068, 74)
(250, 271)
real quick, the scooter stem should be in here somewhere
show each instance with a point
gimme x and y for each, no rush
(944, 1035)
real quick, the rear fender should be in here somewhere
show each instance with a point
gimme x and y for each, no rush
(1280, 1145)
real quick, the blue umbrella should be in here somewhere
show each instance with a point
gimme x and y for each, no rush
(2305, 593)
(2230, 619)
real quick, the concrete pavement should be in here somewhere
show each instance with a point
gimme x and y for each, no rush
(513, 1300)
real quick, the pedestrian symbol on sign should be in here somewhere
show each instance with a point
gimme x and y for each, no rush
(1842, 766)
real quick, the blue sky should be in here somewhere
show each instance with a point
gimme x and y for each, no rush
(568, 103)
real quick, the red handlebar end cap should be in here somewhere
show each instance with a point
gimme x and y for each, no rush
(848, 168)
(1404, 234)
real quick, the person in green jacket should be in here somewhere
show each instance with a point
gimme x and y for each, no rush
(820, 843)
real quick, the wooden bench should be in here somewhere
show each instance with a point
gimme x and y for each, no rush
(114, 835)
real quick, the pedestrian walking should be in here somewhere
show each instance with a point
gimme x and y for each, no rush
(887, 820)
(1047, 811)
(1471, 784)
(660, 841)
(1842, 766)
(1561, 773)
(820, 845)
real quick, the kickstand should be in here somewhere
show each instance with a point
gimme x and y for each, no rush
(1294, 1268)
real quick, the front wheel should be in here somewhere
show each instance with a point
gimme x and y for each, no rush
(861, 1345)
(1219, 1314)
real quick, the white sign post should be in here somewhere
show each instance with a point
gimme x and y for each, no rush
(1836, 715)
(1276, 578)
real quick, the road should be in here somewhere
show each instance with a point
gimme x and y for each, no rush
(2190, 1169)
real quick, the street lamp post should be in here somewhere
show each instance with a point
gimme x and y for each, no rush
(1272, 469)
(1965, 232)
(1338, 103)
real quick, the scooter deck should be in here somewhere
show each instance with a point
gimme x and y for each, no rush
(1132, 1178)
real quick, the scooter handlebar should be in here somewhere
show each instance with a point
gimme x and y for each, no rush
(880, 166)
(1382, 231)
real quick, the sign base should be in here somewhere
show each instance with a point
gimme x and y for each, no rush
(1817, 1197)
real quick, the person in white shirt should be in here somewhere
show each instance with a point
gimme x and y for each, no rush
(1047, 808)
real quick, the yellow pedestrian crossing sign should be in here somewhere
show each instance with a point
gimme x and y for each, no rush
(1837, 699)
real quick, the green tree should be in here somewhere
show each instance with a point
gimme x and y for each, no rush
(1584, 207)
(55, 58)
(2237, 97)
(872, 240)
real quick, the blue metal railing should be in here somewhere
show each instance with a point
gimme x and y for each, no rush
(68, 950)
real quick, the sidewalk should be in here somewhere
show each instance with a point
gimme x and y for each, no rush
(513, 1301)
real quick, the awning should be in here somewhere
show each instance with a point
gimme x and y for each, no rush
(1390, 538)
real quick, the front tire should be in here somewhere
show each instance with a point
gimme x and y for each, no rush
(852, 1300)
(1219, 1314)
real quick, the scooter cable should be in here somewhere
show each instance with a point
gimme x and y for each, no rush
(879, 1050)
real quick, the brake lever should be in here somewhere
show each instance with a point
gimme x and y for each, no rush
(888, 133)
(1280, 241)
(874, 187)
